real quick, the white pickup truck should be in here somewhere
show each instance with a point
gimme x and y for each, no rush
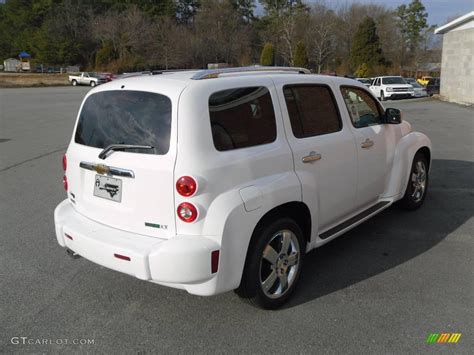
(85, 78)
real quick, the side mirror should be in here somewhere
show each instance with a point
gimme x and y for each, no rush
(393, 116)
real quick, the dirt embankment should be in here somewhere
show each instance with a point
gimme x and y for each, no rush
(15, 80)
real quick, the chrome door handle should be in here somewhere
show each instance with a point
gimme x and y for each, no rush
(367, 144)
(311, 157)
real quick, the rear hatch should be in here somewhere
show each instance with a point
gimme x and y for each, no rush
(133, 189)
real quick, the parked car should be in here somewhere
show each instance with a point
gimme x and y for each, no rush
(86, 78)
(410, 81)
(365, 81)
(391, 87)
(419, 90)
(107, 76)
(433, 86)
(219, 180)
(424, 80)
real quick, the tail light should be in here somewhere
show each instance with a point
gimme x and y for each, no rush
(186, 186)
(187, 212)
(64, 168)
(65, 182)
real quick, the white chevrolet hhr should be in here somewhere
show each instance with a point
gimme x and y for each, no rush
(223, 179)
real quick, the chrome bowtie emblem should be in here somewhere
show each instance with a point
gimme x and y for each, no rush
(102, 169)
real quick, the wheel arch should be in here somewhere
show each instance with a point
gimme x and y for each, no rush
(235, 249)
(406, 150)
(426, 153)
(296, 210)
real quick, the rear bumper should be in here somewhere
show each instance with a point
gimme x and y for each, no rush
(181, 262)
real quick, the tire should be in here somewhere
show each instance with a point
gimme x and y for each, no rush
(269, 267)
(92, 84)
(74, 83)
(382, 96)
(417, 186)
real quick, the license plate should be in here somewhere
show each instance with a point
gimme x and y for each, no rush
(108, 188)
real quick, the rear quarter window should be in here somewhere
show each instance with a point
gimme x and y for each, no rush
(126, 117)
(242, 117)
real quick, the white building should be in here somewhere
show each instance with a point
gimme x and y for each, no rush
(457, 62)
(11, 65)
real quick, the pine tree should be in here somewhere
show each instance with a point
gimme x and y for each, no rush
(412, 21)
(268, 55)
(366, 46)
(301, 56)
(186, 10)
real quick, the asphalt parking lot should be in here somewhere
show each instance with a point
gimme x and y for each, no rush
(381, 288)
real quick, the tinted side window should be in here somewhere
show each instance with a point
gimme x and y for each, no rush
(362, 107)
(312, 110)
(126, 117)
(242, 117)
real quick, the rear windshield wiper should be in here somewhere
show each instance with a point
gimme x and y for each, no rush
(113, 147)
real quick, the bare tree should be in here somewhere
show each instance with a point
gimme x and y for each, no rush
(292, 26)
(320, 35)
(169, 44)
(128, 33)
(287, 36)
(220, 34)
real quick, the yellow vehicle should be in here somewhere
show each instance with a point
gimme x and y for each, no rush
(424, 80)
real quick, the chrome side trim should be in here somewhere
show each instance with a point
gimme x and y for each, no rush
(107, 170)
(214, 73)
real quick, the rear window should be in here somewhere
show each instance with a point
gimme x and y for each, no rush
(126, 117)
(242, 117)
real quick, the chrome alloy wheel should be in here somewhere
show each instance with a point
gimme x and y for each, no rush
(418, 179)
(279, 263)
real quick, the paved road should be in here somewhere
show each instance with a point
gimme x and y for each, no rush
(382, 287)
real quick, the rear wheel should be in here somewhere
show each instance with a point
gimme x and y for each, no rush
(92, 83)
(74, 83)
(273, 264)
(417, 184)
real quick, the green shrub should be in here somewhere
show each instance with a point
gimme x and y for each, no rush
(301, 56)
(268, 55)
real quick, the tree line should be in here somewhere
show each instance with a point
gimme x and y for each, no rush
(127, 35)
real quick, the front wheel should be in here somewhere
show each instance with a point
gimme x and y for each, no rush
(273, 264)
(382, 96)
(417, 184)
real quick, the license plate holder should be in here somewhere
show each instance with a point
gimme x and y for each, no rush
(108, 188)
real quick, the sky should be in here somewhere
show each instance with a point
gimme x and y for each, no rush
(439, 11)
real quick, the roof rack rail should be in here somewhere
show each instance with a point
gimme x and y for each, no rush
(158, 71)
(214, 73)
